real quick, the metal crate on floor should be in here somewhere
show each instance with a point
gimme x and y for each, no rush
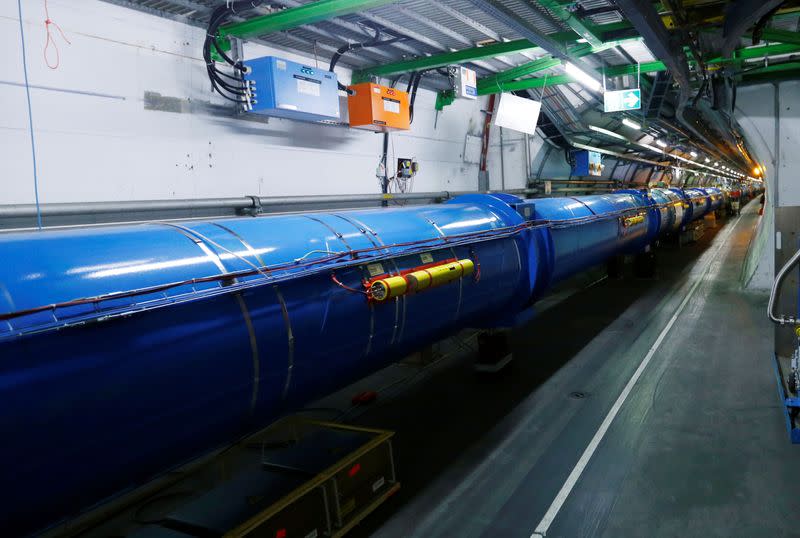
(296, 478)
(355, 464)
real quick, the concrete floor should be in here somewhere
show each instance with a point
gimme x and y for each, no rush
(698, 447)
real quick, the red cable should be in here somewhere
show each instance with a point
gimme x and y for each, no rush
(341, 285)
(50, 41)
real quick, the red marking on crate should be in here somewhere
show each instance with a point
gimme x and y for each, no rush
(354, 469)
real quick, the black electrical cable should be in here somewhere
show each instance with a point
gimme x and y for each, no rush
(228, 90)
(415, 86)
(374, 42)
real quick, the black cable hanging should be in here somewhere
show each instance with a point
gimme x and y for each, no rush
(230, 87)
(374, 42)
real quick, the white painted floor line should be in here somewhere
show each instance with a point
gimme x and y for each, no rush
(577, 471)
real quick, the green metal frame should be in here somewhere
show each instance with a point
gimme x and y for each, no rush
(558, 11)
(773, 72)
(511, 79)
(782, 36)
(646, 67)
(477, 53)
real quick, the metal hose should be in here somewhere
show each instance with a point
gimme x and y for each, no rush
(776, 286)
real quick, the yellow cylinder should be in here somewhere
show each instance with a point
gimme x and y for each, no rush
(419, 280)
(383, 289)
(388, 288)
(442, 274)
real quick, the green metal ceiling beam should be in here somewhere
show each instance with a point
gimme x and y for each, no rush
(458, 57)
(646, 67)
(767, 73)
(555, 80)
(477, 53)
(782, 36)
(775, 68)
(759, 52)
(310, 13)
(540, 64)
(561, 13)
(497, 82)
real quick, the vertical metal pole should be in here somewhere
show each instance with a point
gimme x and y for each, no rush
(483, 172)
(528, 163)
(502, 163)
(776, 161)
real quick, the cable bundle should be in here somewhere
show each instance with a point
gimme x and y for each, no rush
(374, 42)
(231, 87)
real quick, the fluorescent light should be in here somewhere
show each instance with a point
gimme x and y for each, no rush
(582, 77)
(708, 160)
(661, 143)
(631, 124)
(693, 154)
(607, 132)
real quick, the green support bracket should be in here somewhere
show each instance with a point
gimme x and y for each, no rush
(445, 98)
(561, 13)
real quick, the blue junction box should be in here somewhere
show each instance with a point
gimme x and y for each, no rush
(287, 89)
(586, 163)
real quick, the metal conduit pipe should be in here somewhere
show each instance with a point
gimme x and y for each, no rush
(83, 208)
(581, 181)
(241, 203)
(776, 286)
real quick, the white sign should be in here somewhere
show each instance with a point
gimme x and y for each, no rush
(516, 113)
(465, 82)
(622, 100)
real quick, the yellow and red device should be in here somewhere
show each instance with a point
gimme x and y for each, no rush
(378, 108)
(418, 279)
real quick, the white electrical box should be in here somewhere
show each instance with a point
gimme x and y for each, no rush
(464, 81)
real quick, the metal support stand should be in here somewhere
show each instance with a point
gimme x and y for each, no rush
(644, 264)
(494, 350)
(693, 232)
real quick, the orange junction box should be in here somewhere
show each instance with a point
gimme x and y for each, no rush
(378, 108)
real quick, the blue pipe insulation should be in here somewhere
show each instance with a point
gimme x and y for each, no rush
(128, 350)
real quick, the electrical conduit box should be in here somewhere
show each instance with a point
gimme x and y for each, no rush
(378, 108)
(464, 82)
(286, 89)
(586, 163)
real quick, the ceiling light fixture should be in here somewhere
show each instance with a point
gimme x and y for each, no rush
(693, 154)
(630, 123)
(607, 132)
(661, 143)
(582, 77)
